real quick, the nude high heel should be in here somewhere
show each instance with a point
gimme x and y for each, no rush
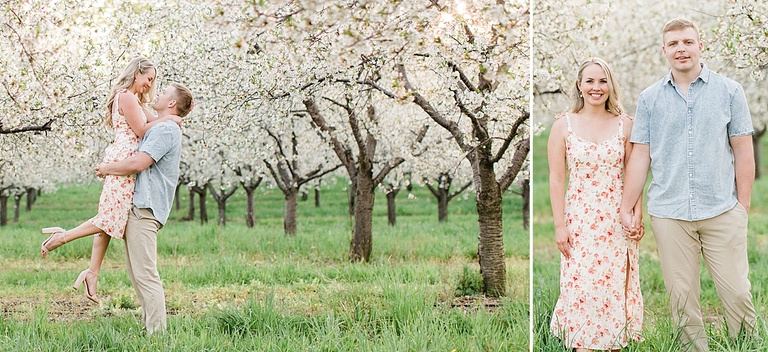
(57, 232)
(90, 292)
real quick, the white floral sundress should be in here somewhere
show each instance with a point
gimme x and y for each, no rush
(117, 194)
(600, 306)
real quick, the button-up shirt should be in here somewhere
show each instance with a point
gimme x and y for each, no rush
(692, 164)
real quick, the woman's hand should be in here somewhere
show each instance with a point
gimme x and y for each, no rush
(638, 228)
(563, 240)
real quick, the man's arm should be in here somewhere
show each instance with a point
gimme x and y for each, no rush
(744, 164)
(635, 175)
(132, 165)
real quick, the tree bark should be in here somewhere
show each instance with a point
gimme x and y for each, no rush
(756, 149)
(489, 217)
(526, 208)
(31, 198)
(16, 207)
(3, 210)
(249, 187)
(317, 197)
(191, 212)
(362, 236)
(352, 195)
(201, 193)
(289, 216)
(391, 210)
(176, 197)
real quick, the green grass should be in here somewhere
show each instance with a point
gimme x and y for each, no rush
(659, 331)
(236, 288)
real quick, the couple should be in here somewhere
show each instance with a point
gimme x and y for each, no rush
(140, 171)
(693, 129)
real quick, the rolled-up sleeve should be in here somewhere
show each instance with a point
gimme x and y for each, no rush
(741, 119)
(642, 124)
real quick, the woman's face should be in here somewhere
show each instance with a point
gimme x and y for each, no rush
(594, 85)
(143, 81)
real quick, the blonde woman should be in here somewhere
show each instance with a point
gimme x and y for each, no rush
(129, 119)
(600, 306)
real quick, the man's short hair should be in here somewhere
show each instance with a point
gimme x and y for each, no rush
(677, 24)
(183, 97)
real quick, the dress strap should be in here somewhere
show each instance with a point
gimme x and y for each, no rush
(621, 125)
(568, 121)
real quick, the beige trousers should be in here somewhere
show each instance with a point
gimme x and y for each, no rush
(141, 261)
(722, 242)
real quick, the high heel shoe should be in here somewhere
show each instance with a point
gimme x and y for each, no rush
(90, 292)
(56, 232)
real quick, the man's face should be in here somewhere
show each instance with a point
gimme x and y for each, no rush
(682, 48)
(165, 98)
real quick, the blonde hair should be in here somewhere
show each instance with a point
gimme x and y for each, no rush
(613, 104)
(138, 65)
(183, 97)
(677, 24)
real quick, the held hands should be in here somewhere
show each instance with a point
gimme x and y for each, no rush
(99, 170)
(563, 240)
(632, 225)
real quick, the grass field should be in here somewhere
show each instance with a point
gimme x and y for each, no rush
(659, 332)
(238, 289)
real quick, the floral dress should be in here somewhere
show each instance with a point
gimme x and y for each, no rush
(117, 194)
(600, 306)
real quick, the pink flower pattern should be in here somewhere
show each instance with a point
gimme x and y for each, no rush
(600, 306)
(117, 194)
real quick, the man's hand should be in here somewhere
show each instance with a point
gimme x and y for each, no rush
(563, 240)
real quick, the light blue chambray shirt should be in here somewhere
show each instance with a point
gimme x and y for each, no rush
(693, 176)
(156, 186)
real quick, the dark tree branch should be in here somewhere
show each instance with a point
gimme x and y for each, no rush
(512, 133)
(386, 169)
(523, 147)
(41, 128)
(464, 79)
(452, 127)
(459, 191)
(344, 153)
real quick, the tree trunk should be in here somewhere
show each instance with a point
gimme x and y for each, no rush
(317, 197)
(362, 233)
(191, 212)
(352, 195)
(391, 213)
(442, 205)
(221, 196)
(304, 196)
(756, 149)
(16, 207)
(31, 198)
(176, 197)
(490, 241)
(526, 194)
(201, 193)
(289, 217)
(249, 218)
(3, 210)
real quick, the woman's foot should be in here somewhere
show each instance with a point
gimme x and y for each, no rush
(91, 279)
(54, 241)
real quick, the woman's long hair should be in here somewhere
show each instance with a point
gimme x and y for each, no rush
(613, 104)
(125, 81)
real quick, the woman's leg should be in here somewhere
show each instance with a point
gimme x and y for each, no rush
(57, 238)
(98, 251)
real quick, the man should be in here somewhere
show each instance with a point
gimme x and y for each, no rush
(157, 166)
(693, 129)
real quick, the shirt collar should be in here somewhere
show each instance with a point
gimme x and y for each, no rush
(703, 75)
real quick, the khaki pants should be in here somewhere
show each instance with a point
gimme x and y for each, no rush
(722, 242)
(141, 261)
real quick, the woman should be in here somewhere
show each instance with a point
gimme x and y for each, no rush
(128, 117)
(600, 306)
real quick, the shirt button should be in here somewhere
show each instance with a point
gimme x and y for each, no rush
(691, 175)
(690, 153)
